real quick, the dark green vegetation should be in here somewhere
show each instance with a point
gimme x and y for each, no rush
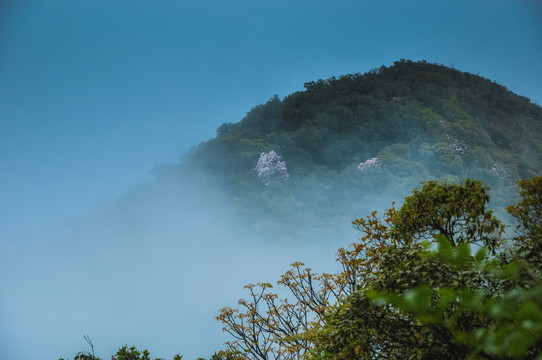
(421, 120)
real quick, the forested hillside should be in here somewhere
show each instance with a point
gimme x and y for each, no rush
(348, 141)
(439, 275)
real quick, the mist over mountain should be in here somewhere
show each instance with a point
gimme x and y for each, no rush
(283, 184)
(357, 142)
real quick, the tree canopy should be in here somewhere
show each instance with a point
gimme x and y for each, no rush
(433, 279)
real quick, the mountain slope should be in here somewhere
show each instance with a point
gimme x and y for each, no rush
(415, 120)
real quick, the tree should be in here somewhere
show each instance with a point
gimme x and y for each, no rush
(528, 213)
(486, 322)
(125, 353)
(267, 327)
(370, 163)
(271, 170)
(82, 355)
(456, 211)
(427, 281)
(429, 296)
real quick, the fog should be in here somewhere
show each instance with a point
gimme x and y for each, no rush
(94, 93)
(151, 268)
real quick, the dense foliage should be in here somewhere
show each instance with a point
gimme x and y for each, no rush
(416, 120)
(434, 279)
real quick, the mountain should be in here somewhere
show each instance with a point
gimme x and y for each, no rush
(355, 143)
(158, 263)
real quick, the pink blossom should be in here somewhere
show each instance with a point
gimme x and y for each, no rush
(271, 170)
(374, 162)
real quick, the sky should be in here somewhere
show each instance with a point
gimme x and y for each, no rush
(95, 94)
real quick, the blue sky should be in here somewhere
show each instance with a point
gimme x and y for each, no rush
(94, 94)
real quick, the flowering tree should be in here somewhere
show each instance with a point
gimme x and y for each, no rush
(271, 170)
(374, 162)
